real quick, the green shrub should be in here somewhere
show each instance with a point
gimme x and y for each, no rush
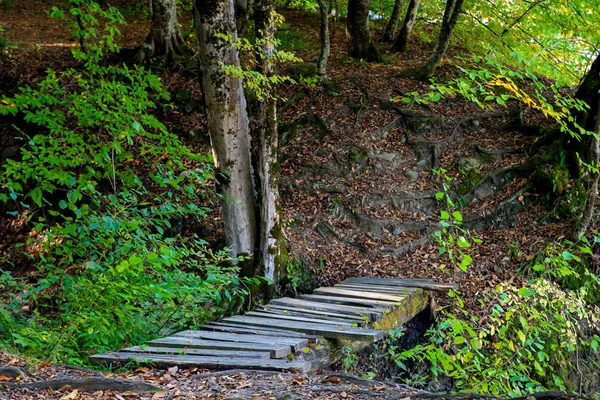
(101, 183)
(530, 339)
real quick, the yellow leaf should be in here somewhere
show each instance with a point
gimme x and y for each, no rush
(70, 396)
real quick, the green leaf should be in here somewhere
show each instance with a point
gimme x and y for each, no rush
(462, 242)
(62, 204)
(567, 256)
(444, 215)
(439, 195)
(526, 292)
(457, 216)
(36, 196)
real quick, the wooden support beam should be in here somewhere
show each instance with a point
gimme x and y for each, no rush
(276, 350)
(419, 283)
(197, 352)
(296, 343)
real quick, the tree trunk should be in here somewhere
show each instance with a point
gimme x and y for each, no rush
(392, 26)
(409, 22)
(588, 147)
(242, 13)
(227, 122)
(360, 44)
(164, 39)
(266, 148)
(588, 211)
(325, 44)
(453, 9)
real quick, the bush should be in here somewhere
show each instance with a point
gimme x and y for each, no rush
(100, 183)
(530, 339)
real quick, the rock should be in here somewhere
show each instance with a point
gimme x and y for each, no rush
(423, 164)
(384, 156)
(467, 164)
(11, 372)
(412, 175)
(9, 152)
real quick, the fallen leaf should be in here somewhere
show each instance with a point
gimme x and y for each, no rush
(173, 370)
(344, 395)
(158, 395)
(332, 379)
(5, 378)
(70, 396)
(44, 364)
(378, 388)
(143, 369)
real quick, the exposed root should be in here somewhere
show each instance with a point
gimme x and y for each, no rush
(91, 384)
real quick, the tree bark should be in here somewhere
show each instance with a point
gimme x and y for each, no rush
(392, 26)
(588, 147)
(227, 122)
(164, 39)
(407, 26)
(325, 44)
(360, 44)
(453, 9)
(588, 212)
(266, 163)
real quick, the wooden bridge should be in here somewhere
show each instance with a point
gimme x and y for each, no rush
(301, 334)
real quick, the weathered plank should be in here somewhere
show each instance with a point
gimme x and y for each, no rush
(420, 283)
(197, 352)
(315, 320)
(166, 360)
(276, 350)
(296, 343)
(374, 314)
(332, 291)
(378, 288)
(361, 320)
(327, 331)
(257, 331)
(378, 304)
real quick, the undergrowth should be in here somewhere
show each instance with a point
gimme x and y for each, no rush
(101, 182)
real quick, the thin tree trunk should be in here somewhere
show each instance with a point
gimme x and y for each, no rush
(266, 148)
(360, 44)
(227, 122)
(325, 44)
(392, 26)
(407, 26)
(164, 39)
(453, 9)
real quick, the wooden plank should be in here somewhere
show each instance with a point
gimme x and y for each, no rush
(327, 331)
(332, 291)
(276, 350)
(420, 283)
(299, 319)
(296, 343)
(236, 328)
(261, 331)
(197, 352)
(374, 314)
(324, 314)
(378, 288)
(378, 304)
(165, 360)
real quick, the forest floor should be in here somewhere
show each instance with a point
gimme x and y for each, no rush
(358, 194)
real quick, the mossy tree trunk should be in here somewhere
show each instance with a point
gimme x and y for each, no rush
(588, 147)
(451, 13)
(227, 122)
(392, 26)
(409, 22)
(164, 39)
(325, 43)
(360, 44)
(265, 149)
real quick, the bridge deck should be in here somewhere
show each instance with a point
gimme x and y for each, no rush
(288, 334)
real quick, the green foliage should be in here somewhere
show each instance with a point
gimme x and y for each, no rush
(530, 339)
(569, 266)
(260, 84)
(454, 241)
(101, 183)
